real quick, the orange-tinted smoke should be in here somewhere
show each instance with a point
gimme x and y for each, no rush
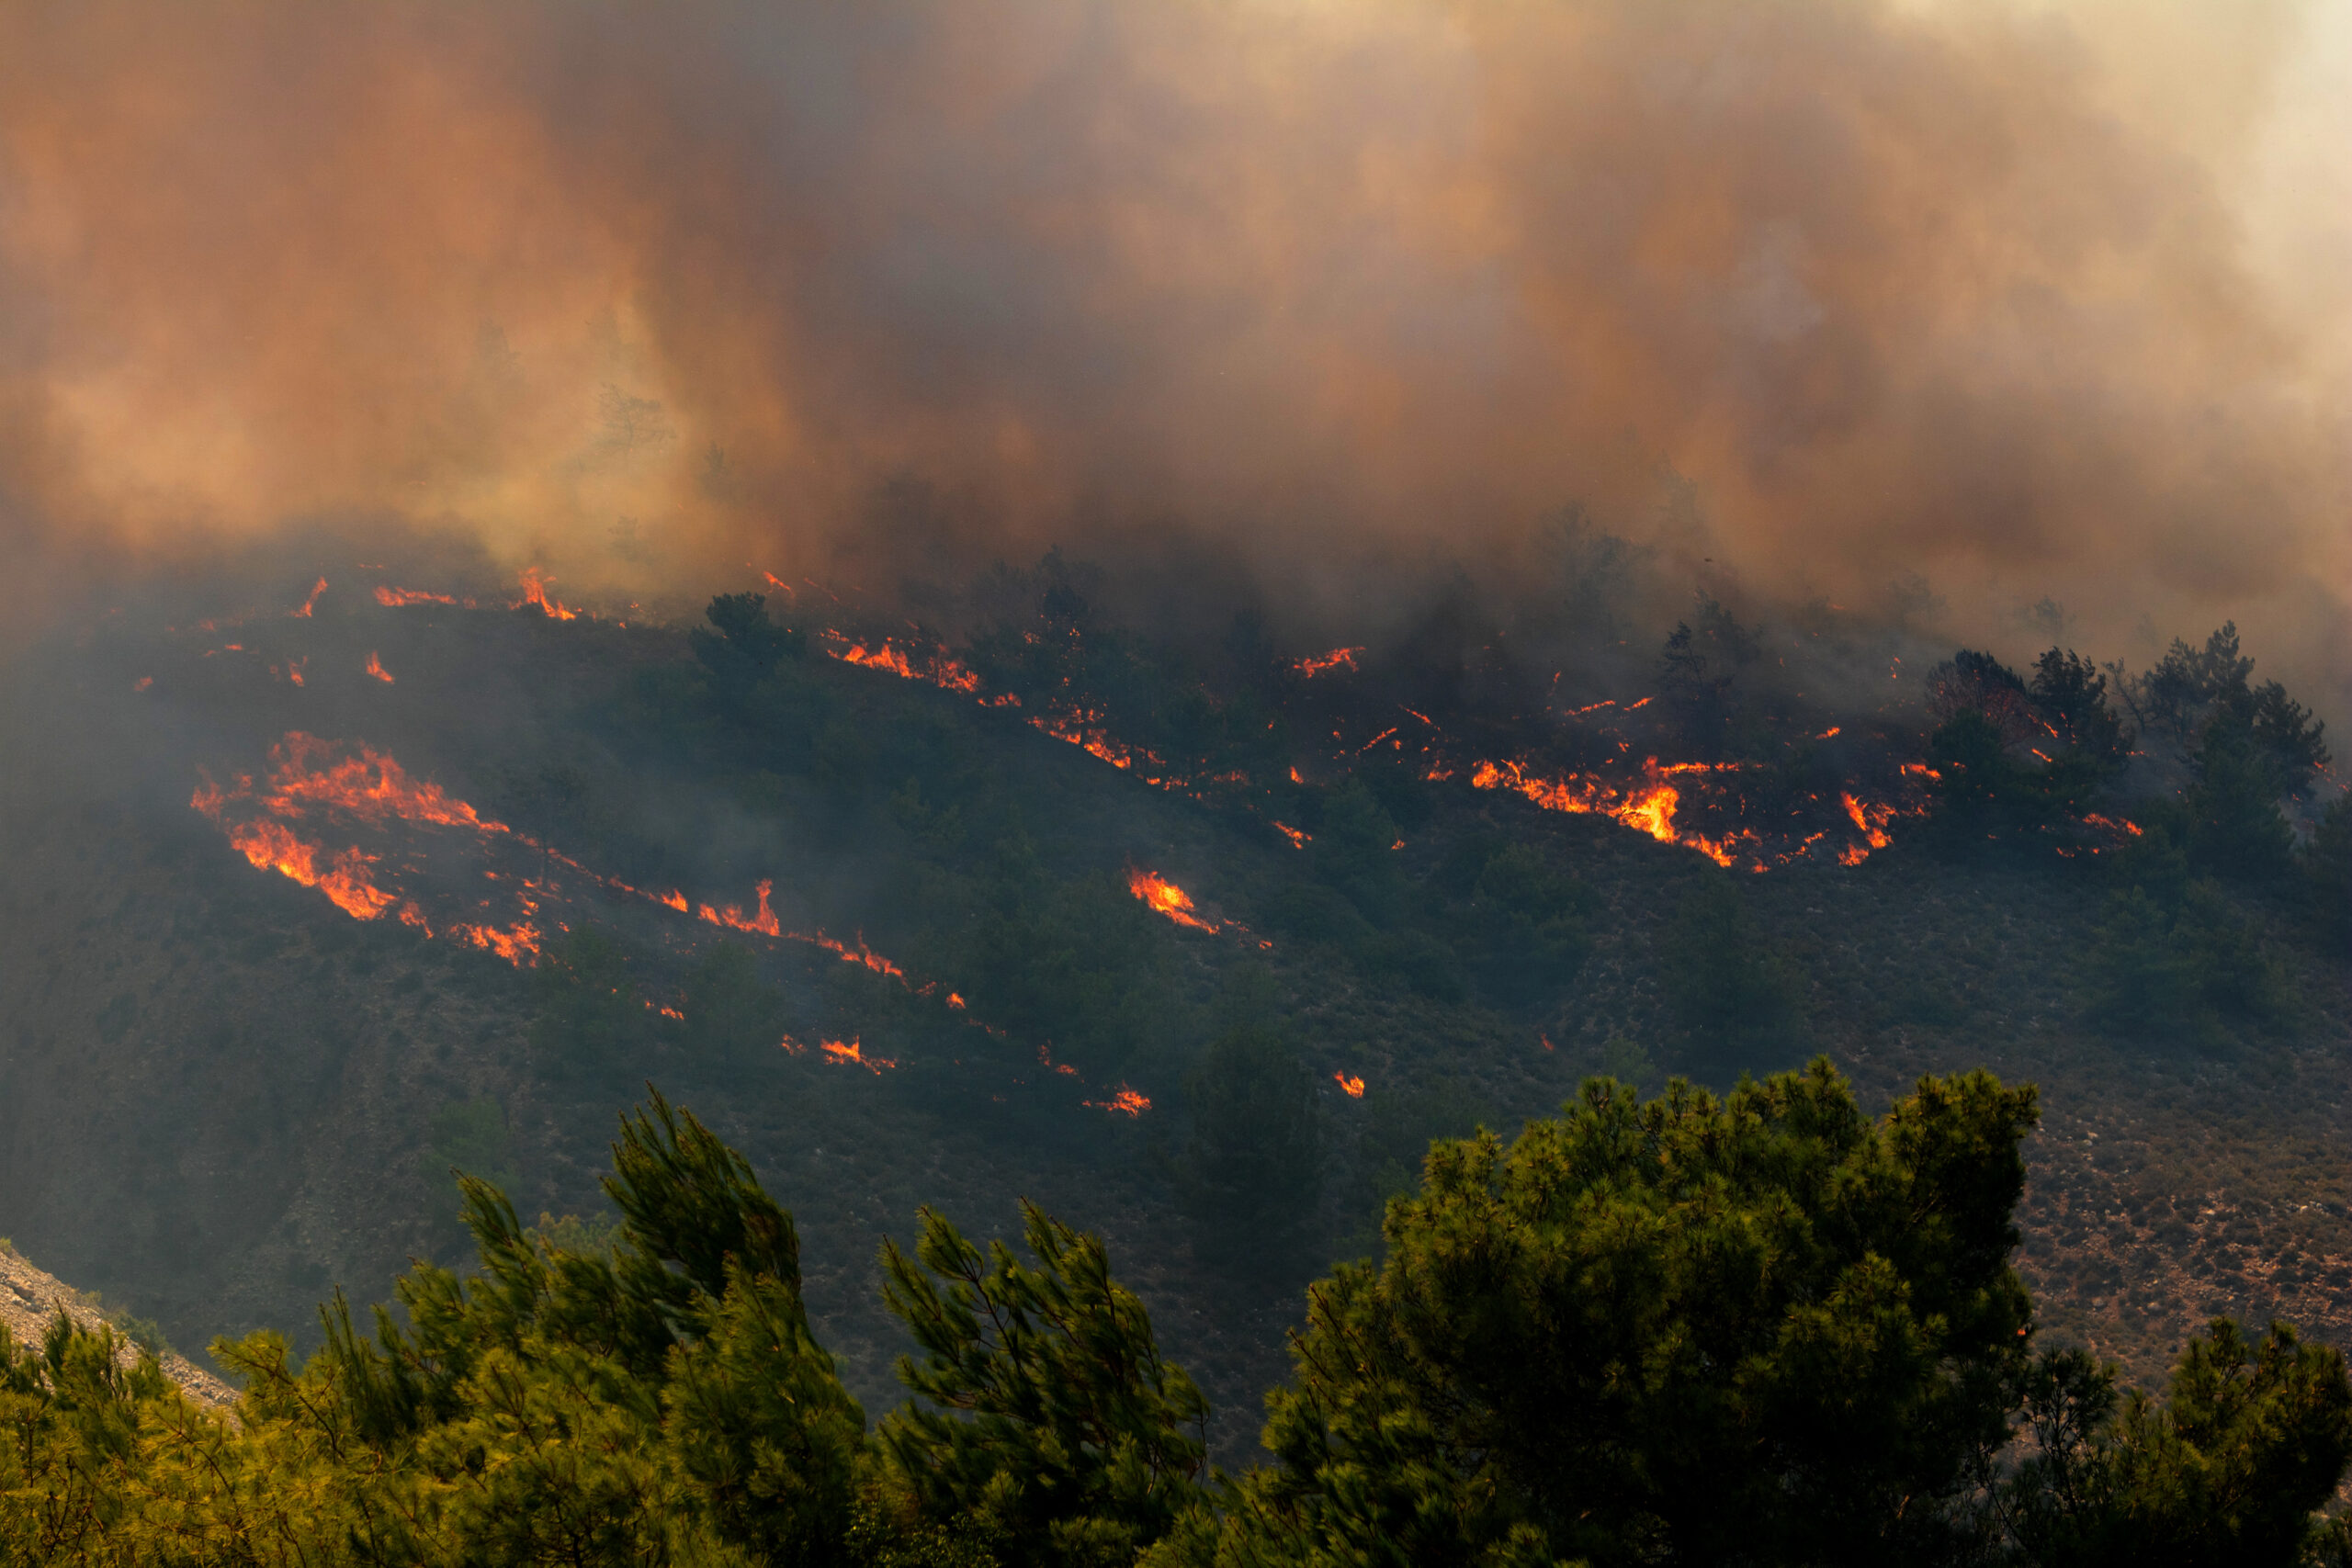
(2002, 296)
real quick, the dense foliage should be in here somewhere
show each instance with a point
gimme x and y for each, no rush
(1763, 1329)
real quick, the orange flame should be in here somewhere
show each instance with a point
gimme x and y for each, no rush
(675, 900)
(1648, 806)
(836, 1050)
(764, 922)
(142, 682)
(861, 954)
(1315, 664)
(305, 609)
(371, 786)
(1350, 1084)
(511, 945)
(535, 583)
(272, 847)
(1166, 897)
(1126, 1102)
(394, 598)
(1298, 841)
(376, 667)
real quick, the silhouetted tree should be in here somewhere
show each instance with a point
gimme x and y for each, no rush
(745, 645)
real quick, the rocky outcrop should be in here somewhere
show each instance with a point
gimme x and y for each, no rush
(31, 1301)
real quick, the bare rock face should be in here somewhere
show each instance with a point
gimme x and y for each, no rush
(31, 1301)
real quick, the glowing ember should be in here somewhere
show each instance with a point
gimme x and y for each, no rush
(850, 1052)
(1166, 897)
(1126, 1102)
(1349, 1085)
(1316, 664)
(142, 682)
(1298, 841)
(305, 609)
(394, 598)
(674, 1013)
(376, 667)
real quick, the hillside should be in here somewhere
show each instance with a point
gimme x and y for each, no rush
(881, 929)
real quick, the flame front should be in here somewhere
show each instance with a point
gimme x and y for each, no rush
(376, 667)
(1166, 897)
(851, 1053)
(395, 598)
(371, 786)
(272, 847)
(1126, 1102)
(535, 592)
(1316, 664)
(1648, 806)
(302, 611)
(1349, 1085)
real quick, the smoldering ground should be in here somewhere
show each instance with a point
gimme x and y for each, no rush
(1324, 301)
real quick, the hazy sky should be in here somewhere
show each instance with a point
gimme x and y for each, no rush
(2033, 299)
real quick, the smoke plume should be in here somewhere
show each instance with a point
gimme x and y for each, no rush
(2033, 301)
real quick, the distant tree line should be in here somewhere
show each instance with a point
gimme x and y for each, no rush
(1763, 1329)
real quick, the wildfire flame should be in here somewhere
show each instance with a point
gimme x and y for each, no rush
(511, 944)
(1166, 897)
(395, 598)
(1298, 841)
(1315, 664)
(940, 670)
(1349, 1085)
(270, 846)
(1648, 806)
(850, 1052)
(535, 592)
(302, 611)
(1126, 1102)
(376, 667)
(371, 786)
(763, 921)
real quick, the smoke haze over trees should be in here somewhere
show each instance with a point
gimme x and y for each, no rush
(2036, 303)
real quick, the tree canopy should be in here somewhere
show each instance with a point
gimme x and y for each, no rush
(1762, 1329)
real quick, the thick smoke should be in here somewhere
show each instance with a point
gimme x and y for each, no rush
(2034, 302)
